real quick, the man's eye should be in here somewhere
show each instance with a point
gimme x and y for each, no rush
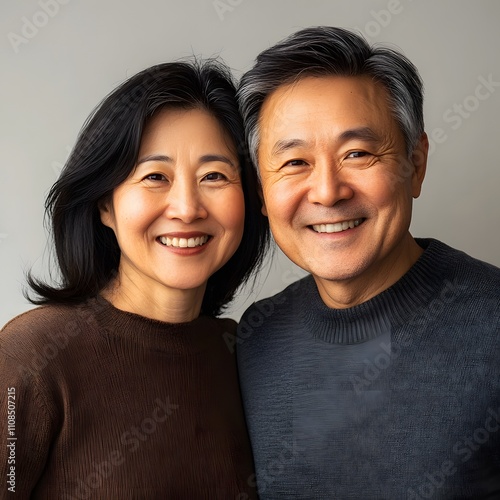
(295, 163)
(357, 154)
(215, 176)
(155, 177)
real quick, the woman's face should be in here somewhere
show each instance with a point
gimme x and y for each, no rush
(179, 215)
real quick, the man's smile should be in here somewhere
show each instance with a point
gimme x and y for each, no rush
(337, 227)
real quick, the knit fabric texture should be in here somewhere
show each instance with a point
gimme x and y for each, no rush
(395, 398)
(112, 405)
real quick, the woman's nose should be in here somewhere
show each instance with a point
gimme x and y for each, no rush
(184, 201)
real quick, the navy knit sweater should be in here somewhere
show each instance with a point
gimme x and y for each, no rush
(396, 398)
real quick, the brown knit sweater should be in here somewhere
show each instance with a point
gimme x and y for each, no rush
(112, 405)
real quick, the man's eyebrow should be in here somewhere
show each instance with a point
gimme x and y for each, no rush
(203, 159)
(285, 144)
(361, 133)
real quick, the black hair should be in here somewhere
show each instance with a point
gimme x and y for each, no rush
(105, 154)
(325, 51)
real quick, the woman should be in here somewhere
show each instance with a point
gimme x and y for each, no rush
(123, 384)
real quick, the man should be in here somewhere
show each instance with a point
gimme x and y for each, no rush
(378, 375)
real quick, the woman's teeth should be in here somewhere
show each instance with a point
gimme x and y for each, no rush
(337, 227)
(183, 242)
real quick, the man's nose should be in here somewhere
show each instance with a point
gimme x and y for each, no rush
(328, 184)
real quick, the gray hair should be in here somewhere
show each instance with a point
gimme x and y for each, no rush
(326, 51)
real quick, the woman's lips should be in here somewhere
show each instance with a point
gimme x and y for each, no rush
(184, 242)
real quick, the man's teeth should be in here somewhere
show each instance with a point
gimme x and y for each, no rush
(184, 242)
(337, 227)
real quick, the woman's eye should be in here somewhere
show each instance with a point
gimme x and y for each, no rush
(215, 176)
(155, 177)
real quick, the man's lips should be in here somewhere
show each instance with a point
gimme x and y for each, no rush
(184, 240)
(337, 227)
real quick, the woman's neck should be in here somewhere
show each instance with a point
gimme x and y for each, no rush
(159, 303)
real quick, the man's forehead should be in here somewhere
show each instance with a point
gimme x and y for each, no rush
(309, 90)
(325, 98)
(327, 111)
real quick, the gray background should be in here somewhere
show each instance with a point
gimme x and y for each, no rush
(61, 57)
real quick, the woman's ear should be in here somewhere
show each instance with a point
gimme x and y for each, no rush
(106, 212)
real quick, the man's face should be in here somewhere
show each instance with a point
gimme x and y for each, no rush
(338, 184)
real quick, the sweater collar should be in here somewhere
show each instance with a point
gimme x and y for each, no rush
(191, 337)
(390, 308)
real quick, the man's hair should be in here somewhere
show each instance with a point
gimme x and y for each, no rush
(105, 154)
(328, 51)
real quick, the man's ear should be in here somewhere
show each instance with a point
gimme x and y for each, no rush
(106, 212)
(419, 160)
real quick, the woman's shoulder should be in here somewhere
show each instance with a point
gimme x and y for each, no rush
(222, 325)
(227, 323)
(39, 317)
(38, 327)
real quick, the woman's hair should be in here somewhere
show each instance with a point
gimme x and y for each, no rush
(329, 51)
(105, 154)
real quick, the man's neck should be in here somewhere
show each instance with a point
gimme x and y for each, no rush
(343, 294)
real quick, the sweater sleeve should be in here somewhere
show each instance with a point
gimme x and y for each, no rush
(26, 429)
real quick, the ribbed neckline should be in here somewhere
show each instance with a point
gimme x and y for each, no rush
(177, 338)
(391, 307)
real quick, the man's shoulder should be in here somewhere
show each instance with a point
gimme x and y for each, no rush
(283, 299)
(466, 267)
(470, 287)
(277, 311)
(267, 328)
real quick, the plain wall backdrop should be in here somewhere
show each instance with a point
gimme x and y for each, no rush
(61, 57)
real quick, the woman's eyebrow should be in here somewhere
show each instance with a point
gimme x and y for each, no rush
(215, 157)
(203, 159)
(163, 158)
